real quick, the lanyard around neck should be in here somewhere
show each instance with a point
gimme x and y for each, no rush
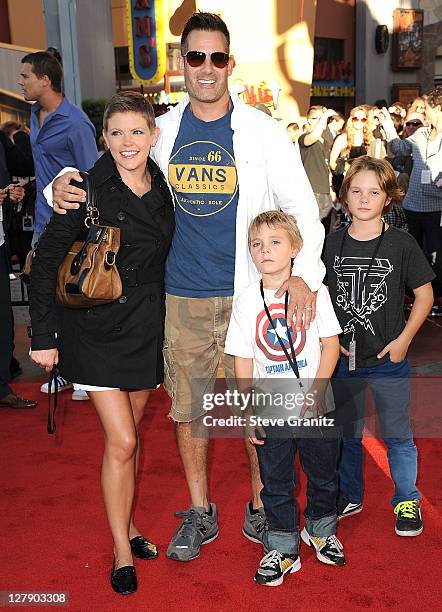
(292, 359)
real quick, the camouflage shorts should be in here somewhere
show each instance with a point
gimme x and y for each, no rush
(195, 334)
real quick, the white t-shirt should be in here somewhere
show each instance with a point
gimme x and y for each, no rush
(251, 335)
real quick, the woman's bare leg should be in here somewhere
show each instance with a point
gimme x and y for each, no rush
(138, 400)
(118, 469)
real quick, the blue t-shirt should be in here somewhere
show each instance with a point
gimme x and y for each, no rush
(202, 173)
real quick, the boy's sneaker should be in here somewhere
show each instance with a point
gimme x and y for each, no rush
(79, 395)
(63, 385)
(347, 508)
(328, 550)
(198, 527)
(254, 524)
(274, 566)
(408, 519)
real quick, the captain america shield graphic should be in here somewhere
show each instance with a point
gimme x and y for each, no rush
(267, 340)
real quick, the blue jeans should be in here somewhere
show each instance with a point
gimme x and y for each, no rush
(319, 458)
(390, 387)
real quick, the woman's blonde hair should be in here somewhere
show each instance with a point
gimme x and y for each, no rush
(350, 130)
(385, 175)
(278, 220)
(371, 124)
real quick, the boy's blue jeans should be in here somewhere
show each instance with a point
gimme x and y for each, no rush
(319, 458)
(390, 387)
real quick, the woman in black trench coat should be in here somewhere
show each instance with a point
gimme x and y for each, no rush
(114, 351)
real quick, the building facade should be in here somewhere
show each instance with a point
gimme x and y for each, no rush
(288, 53)
(333, 79)
(272, 43)
(409, 61)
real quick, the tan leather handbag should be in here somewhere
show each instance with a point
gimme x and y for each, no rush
(88, 275)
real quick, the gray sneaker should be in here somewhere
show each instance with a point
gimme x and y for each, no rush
(197, 528)
(254, 524)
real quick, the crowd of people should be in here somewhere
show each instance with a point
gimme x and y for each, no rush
(222, 236)
(408, 138)
(16, 207)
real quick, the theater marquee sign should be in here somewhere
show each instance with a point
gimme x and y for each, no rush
(147, 47)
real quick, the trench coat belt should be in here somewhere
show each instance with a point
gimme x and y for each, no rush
(133, 276)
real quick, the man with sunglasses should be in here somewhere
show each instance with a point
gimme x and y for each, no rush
(225, 163)
(413, 122)
(254, 167)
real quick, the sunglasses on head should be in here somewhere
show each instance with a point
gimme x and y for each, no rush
(413, 123)
(197, 58)
(361, 119)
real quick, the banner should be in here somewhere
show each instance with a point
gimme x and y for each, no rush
(326, 89)
(147, 47)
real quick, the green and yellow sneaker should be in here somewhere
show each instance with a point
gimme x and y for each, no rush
(408, 518)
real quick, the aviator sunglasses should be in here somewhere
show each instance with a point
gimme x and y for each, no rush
(197, 58)
(413, 123)
(361, 119)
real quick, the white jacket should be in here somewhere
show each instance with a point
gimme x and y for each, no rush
(270, 176)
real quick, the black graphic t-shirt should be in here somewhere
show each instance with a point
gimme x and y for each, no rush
(372, 310)
(202, 173)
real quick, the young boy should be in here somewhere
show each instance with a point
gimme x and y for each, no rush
(265, 349)
(368, 266)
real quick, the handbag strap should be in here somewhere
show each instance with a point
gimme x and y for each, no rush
(53, 378)
(92, 212)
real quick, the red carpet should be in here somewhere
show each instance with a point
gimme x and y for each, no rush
(55, 536)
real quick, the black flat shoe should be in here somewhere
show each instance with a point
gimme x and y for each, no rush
(15, 401)
(124, 580)
(143, 549)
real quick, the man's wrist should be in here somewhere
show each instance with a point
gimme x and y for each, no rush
(295, 276)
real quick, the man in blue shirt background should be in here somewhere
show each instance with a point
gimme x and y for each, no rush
(61, 135)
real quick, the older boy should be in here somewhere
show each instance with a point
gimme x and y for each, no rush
(368, 265)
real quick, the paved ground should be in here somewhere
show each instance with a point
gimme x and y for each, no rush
(425, 354)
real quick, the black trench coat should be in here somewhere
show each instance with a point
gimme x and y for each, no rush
(117, 344)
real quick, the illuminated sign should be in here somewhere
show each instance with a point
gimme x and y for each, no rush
(323, 90)
(332, 71)
(257, 95)
(147, 47)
